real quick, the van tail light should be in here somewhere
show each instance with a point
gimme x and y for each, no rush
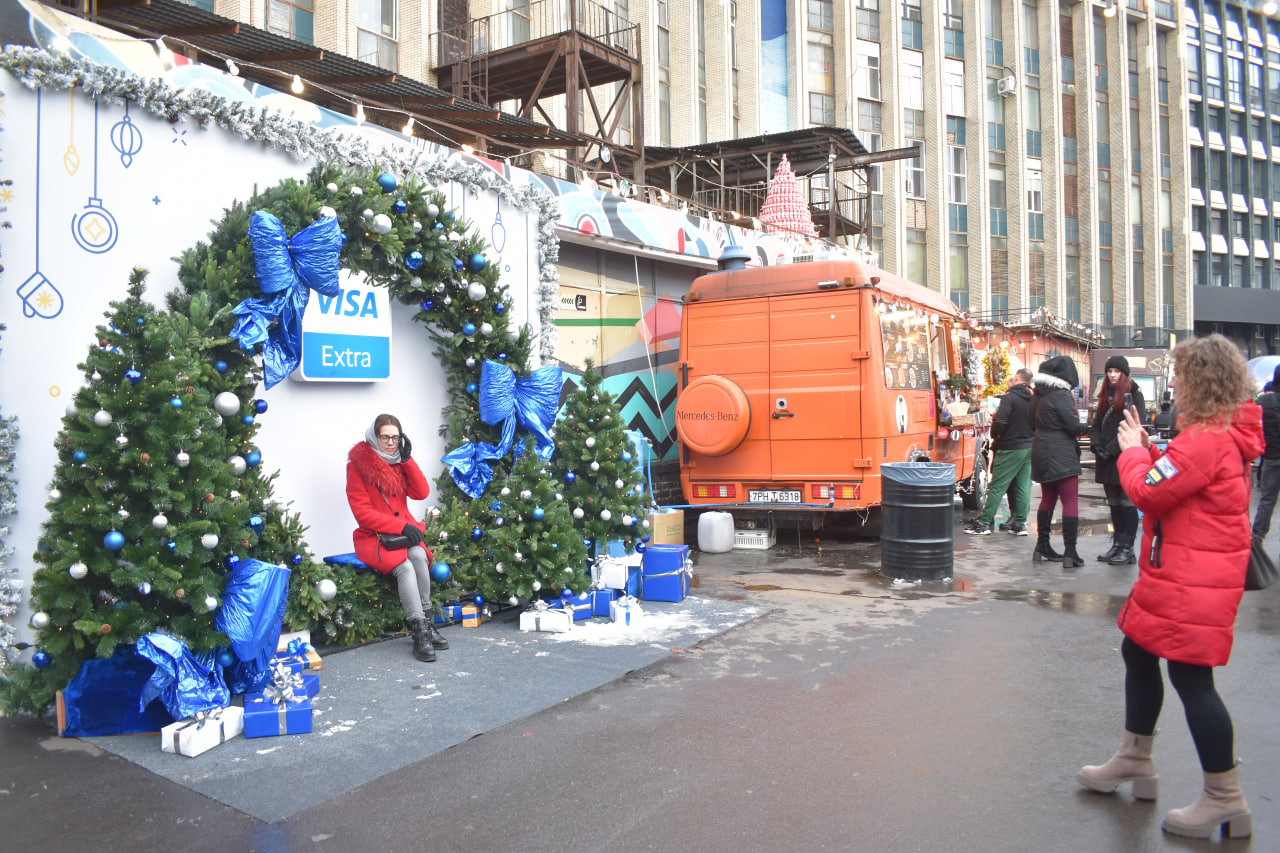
(836, 491)
(716, 490)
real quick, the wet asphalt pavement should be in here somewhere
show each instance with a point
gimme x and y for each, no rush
(854, 714)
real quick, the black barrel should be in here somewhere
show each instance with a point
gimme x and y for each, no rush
(917, 536)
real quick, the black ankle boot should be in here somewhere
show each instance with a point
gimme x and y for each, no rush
(1117, 528)
(1070, 532)
(1043, 551)
(437, 641)
(1124, 555)
(421, 640)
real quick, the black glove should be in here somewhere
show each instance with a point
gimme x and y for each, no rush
(413, 534)
(406, 448)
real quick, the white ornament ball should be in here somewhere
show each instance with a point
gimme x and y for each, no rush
(210, 603)
(122, 440)
(327, 212)
(102, 418)
(144, 588)
(234, 495)
(618, 484)
(317, 560)
(326, 589)
(124, 513)
(95, 376)
(417, 226)
(559, 496)
(639, 489)
(471, 362)
(444, 536)
(217, 421)
(455, 237)
(78, 571)
(331, 187)
(55, 495)
(628, 520)
(645, 524)
(526, 494)
(159, 521)
(591, 441)
(382, 223)
(444, 238)
(209, 541)
(577, 512)
(605, 515)
(513, 601)
(477, 291)
(226, 404)
(357, 191)
(595, 398)
(499, 568)
(196, 432)
(486, 329)
(448, 300)
(537, 586)
(238, 465)
(182, 458)
(72, 411)
(433, 210)
(39, 620)
(568, 570)
(505, 491)
(433, 512)
(518, 557)
(595, 466)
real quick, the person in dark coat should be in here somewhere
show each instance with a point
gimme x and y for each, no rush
(1118, 394)
(1165, 423)
(1055, 456)
(381, 478)
(1269, 476)
(1191, 575)
(1011, 468)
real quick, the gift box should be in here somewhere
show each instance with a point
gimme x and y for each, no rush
(266, 718)
(618, 573)
(449, 613)
(580, 606)
(310, 684)
(626, 610)
(664, 574)
(300, 662)
(103, 698)
(472, 616)
(201, 733)
(545, 619)
(601, 599)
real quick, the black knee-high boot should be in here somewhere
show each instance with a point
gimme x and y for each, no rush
(1070, 531)
(1044, 551)
(1124, 555)
(1117, 529)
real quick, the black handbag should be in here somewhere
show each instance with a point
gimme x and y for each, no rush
(1262, 569)
(396, 541)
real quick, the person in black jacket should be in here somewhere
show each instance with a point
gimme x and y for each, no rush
(1165, 423)
(1055, 456)
(1011, 468)
(1117, 395)
(1269, 479)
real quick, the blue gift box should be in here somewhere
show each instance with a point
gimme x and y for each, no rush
(449, 614)
(600, 601)
(581, 604)
(297, 663)
(664, 573)
(311, 683)
(264, 718)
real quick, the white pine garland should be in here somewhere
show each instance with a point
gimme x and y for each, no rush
(10, 584)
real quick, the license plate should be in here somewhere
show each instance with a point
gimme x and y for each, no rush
(774, 496)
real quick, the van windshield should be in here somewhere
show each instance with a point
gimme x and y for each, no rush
(904, 333)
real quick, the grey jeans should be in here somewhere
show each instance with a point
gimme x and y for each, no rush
(413, 582)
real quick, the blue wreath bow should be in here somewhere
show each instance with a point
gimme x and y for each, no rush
(530, 402)
(288, 270)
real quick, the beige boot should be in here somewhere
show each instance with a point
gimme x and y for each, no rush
(1131, 763)
(1221, 803)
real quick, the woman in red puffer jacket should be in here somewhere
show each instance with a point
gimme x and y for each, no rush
(381, 477)
(1195, 551)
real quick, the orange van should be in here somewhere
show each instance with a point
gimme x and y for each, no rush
(798, 381)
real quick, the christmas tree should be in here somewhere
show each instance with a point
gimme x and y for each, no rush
(595, 460)
(10, 585)
(157, 492)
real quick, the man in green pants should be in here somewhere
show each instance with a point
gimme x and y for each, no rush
(1011, 439)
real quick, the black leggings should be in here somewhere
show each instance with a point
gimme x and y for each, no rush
(1207, 716)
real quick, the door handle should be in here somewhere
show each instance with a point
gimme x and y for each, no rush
(784, 414)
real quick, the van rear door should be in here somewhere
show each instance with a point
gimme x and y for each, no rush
(817, 361)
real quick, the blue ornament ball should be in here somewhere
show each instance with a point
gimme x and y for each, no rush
(226, 658)
(495, 506)
(502, 356)
(538, 513)
(469, 329)
(176, 402)
(500, 308)
(555, 546)
(388, 182)
(253, 459)
(626, 456)
(140, 321)
(566, 593)
(79, 456)
(233, 560)
(644, 538)
(479, 600)
(256, 522)
(297, 559)
(41, 659)
(260, 406)
(569, 476)
(476, 533)
(478, 262)
(499, 521)
(113, 541)
(400, 206)
(641, 548)
(428, 305)
(133, 376)
(440, 572)
(413, 260)
(447, 216)
(247, 420)
(436, 226)
(472, 387)
(220, 366)
(457, 264)
(171, 545)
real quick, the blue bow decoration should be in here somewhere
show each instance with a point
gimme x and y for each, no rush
(530, 402)
(288, 270)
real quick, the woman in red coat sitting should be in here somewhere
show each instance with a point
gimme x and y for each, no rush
(381, 477)
(1195, 551)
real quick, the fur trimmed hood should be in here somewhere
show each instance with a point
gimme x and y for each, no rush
(1057, 372)
(374, 471)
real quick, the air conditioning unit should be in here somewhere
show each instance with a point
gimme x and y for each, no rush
(1007, 85)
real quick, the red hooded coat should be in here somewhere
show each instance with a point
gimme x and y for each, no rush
(366, 473)
(1195, 539)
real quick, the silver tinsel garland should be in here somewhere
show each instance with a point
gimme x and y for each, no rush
(38, 69)
(10, 583)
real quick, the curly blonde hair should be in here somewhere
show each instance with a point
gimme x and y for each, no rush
(1212, 381)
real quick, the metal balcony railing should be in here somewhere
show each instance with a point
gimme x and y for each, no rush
(537, 20)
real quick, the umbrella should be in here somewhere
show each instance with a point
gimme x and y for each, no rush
(1263, 368)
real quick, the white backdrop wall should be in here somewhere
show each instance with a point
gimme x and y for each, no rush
(161, 186)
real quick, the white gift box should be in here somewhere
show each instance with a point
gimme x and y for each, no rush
(203, 732)
(612, 572)
(545, 619)
(627, 611)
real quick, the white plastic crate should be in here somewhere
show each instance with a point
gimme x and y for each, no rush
(758, 540)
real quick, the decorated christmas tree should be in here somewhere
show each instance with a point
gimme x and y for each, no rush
(594, 459)
(10, 585)
(157, 492)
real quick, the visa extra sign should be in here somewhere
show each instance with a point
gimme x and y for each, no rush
(347, 338)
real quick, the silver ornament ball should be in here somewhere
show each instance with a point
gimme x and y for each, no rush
(102, 418)
(326, 589)
(226, 404)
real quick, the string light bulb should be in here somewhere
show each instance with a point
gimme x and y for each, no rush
(467, 149)
(359, 113)
(163, 51)
(232, 68)
(408, 127)
(296, 86)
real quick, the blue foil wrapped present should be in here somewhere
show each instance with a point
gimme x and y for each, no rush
(600, 601)
(265, 718)
(580, 604)
(103, 698)
(186, 683)
(449, 614)
(310, 684)
(664, 573)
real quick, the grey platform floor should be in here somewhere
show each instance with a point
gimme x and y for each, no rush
(379, 710)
